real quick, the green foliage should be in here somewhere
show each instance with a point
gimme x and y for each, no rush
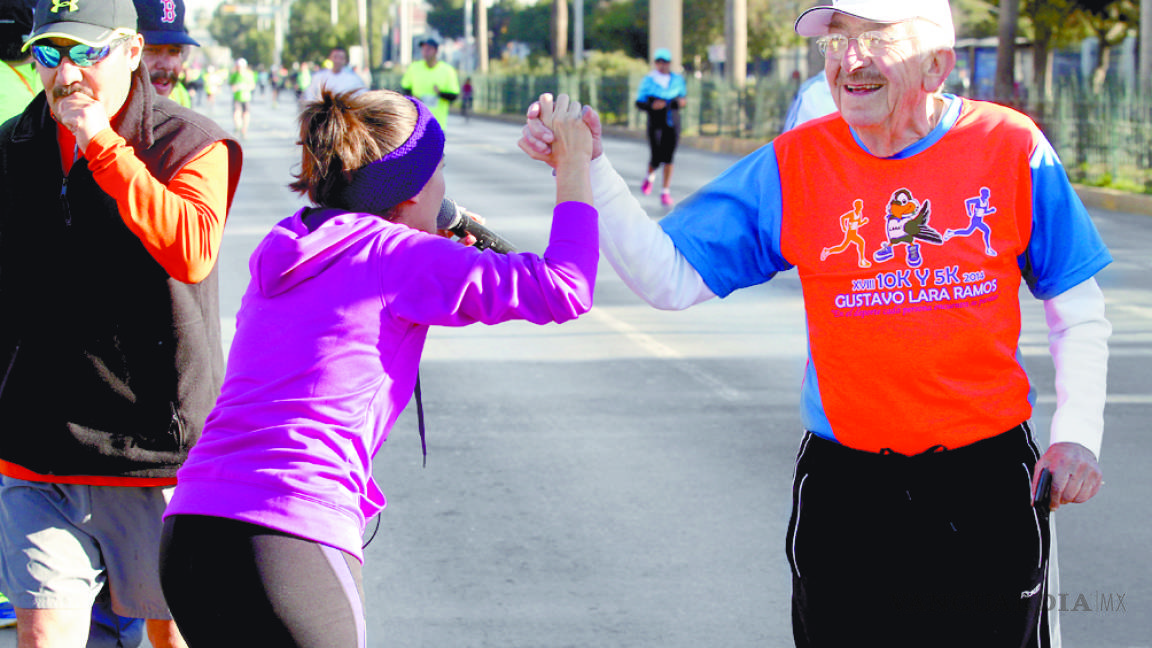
(770, 26)
(531, 25)
(703, 26)
(975, 18)
(239, 33)
(618, 26)
(447, 17)
(538, 64)
(613, 64)
(500, 16)
(311, 34)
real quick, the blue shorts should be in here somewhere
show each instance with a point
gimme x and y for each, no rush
(59, 543)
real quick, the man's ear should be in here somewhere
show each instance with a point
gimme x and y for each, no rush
(936, 67)
(135, 50)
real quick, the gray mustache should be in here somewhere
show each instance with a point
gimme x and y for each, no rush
(68, 90)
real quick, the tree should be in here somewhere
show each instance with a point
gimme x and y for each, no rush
(532, 25)
(1006, 53)
(447, 17)
(770, 27)
(1110, 23)
(974, 18)
(240, 34)
(619, 26)
(559, 33)
(311, 34)
(1051, 25)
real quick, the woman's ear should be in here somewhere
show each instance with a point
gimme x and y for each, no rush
(400, 213)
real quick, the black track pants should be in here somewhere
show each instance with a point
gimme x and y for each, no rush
(939, 549)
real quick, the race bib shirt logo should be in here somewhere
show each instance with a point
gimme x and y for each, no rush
(907, 224)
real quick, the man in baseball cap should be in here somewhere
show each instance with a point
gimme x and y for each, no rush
(432, 81)
(114, 204)
(166, 46)
(92, 22)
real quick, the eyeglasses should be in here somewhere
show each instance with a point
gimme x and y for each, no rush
(82, 55)
(870, 43)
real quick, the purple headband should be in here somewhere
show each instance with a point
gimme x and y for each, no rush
(402, 173)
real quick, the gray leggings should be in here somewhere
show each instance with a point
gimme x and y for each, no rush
(231, 583)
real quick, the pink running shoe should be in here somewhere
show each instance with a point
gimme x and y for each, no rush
(646, 188)
(666, 200)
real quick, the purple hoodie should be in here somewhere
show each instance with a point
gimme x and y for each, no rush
(328, 342)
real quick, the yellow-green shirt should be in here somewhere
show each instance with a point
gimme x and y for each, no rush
(18, 84)
(422, 82)
(180, 95)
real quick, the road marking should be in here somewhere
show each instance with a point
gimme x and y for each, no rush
(1112, 399)
(663, 351)
(1142, 311)
(1035, 350)
(247, 230)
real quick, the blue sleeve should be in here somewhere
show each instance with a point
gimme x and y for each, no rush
(678, 87)
(1065, 249)
(729, 230)
(645, 92)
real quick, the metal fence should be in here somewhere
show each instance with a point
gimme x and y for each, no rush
(1103, 138)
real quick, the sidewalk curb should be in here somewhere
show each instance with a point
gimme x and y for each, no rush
(1092, 197)
(1113, 200)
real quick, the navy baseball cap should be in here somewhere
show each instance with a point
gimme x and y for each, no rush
(92, 22)
(162, 22)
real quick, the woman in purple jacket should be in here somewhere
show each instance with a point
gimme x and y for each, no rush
(262, 539)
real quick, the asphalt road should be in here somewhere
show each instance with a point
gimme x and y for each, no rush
(624, 480)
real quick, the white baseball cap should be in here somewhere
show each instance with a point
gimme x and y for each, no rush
(814, 22)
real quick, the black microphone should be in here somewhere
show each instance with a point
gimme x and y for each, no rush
(453, 219)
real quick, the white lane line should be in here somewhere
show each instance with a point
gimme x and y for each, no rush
(660, 350)
(1113, 399)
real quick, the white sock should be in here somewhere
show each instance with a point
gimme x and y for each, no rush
(652, 177)
(667, 190)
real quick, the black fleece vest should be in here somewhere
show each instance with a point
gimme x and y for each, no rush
(109, 366)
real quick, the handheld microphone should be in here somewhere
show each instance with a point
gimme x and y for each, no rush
(453, 219)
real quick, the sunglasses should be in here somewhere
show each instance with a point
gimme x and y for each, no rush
(82, 55)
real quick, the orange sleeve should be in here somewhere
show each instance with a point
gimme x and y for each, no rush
(181, 223)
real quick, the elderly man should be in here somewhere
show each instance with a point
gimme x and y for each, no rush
(110, 357)
(432, 81)
(166, 45)
(914, 522)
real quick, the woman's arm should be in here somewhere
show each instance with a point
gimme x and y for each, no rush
(571, 150)
(452, 285)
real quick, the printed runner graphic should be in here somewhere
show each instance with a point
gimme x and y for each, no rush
(850, 224)
(977, 208)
